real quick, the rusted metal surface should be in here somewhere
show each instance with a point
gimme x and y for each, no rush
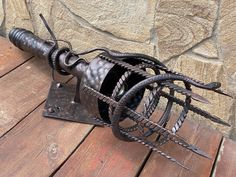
(111, 88)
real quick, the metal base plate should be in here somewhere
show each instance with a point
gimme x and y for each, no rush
(60, 105)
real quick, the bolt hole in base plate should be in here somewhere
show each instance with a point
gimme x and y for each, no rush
(60, 105)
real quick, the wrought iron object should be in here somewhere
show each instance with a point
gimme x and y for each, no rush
(115, 89)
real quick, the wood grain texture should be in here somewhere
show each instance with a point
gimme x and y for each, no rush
(10, 56)
(102, 154)
(226, 162)
(204, 138)
(38, 145)
(22, 90)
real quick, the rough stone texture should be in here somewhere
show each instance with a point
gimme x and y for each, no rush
(198, 68)
(227, 44)
(1, 13)
(16, 14)
(127, 19)
(83, 36)
(35, 7)
(207, 49)
(196, 37)
(227, 39)
(181, 24)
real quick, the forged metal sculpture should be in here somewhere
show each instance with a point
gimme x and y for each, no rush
(115, 87)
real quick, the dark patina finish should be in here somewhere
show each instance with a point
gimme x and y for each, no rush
(115, 89)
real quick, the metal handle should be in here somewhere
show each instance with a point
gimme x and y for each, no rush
(27, 41)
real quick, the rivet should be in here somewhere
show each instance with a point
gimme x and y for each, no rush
(51, 110)
(59, 85)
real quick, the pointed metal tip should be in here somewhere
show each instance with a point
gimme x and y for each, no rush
(186, 92)
(219, 121)
(199, 98)
(209, 116)
(204, 154)
(199, 152)
(226, 124)
(223, 93)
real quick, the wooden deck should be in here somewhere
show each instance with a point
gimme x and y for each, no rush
(31, 145)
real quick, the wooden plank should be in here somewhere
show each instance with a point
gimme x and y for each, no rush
(37, 145)
(226, 161)
(10, 56)
(22, 90)
(204, 138)
(102, 154)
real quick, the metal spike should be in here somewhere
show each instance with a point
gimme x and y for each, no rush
(223, 93)
(186, 92)
(154, 148)
(196, 109)
(138, 117)
(147, 144)
(167, 84)
(200, 152)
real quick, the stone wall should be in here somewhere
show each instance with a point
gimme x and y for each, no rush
(196, 37)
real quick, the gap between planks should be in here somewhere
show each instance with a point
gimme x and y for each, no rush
(13, 68)
(206, 139)
(35, 108)
(58, 168)
(217, 157)
(22, 90)
(11, 57)
(39, 143)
